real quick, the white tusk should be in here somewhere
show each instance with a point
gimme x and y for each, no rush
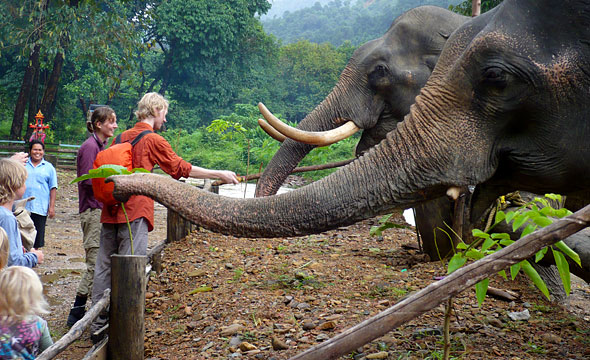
(317, 138)
(453, 192)
(272, 132)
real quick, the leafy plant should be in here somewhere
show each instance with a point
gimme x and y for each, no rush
(533, 215)
(108, 170)
(384, 224)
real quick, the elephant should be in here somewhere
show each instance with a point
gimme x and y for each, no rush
(375, 91)
(504, 109)
(376, 88)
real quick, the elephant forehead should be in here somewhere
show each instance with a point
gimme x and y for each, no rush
(564, 70)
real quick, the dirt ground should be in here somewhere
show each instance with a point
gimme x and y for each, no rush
(222, 297)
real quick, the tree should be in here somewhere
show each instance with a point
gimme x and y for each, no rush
(466, 7)
(47, 32)
(208, 49)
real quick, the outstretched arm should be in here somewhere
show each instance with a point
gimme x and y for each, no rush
(228, 177)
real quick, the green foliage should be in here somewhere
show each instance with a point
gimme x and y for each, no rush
(384, 224)
(224, 144)
(536, 214)
(105, 171)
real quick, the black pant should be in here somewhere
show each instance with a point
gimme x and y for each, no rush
(39, 221)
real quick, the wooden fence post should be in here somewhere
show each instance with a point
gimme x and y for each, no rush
(126, 320)
(178, 227)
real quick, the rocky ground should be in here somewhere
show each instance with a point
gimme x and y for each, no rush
(222, 297)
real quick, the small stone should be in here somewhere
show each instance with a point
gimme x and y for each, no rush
(231, 330)
(278, 344)
(208, 346)
(235, 341)
(519, 316)
(333, 317)
(303, 306)
(229, 266)
(379, 355)
(149, 295)
(328, 325)
(308, 324)
(495, 322)
(322, 337)
(551, 338)
(246, 346)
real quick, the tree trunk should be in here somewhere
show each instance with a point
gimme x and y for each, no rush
(475, 7)
(49, 97)
(23, 96)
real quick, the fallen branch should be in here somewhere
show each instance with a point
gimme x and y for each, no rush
(78, 328)
(296, 170)
(451, 285)
(502, 294)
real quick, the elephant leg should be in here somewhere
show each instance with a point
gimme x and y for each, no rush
(433, 224)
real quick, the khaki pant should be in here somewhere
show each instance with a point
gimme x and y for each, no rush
(114, 239)
(90, 221)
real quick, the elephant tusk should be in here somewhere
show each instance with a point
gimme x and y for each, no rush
(317, 138)
(272, 132)
(454, 192)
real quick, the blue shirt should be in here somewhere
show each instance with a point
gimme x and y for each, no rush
(42, 178)
(17, 256)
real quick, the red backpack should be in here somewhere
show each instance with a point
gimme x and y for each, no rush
(117, 154)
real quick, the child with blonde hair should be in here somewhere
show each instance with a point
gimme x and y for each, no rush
(13, 176)
(23, 334)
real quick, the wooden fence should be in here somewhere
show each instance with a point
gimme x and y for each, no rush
(62, 156)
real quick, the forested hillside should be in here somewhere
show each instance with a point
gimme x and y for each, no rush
(338, 21)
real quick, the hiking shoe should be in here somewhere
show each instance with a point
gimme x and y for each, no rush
(75, 315)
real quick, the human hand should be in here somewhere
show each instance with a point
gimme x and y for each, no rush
(21, 157)
(51, 213)
(39, 254)
(228, 177)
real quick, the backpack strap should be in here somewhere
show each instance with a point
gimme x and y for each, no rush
(137, 138)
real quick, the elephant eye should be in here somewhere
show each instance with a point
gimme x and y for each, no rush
(380, 70)
(378, 78)
(494, 76)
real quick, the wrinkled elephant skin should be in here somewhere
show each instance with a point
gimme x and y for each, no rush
(506, 107)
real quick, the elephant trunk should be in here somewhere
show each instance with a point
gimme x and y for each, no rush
(376, 183)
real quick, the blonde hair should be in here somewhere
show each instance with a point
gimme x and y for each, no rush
(21, 294)
(148, 104)
(99, 115)
(12, 177)
(4, 248)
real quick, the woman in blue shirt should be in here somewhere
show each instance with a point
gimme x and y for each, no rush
(42, 184)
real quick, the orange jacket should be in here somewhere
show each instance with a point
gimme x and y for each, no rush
(150, 150)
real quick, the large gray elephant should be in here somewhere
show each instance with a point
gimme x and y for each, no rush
(376, 88)
(505, 108)
(375, 91)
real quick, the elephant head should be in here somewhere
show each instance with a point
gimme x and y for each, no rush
(376, 88)
(506, 107)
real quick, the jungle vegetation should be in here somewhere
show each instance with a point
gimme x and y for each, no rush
(213, 59)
